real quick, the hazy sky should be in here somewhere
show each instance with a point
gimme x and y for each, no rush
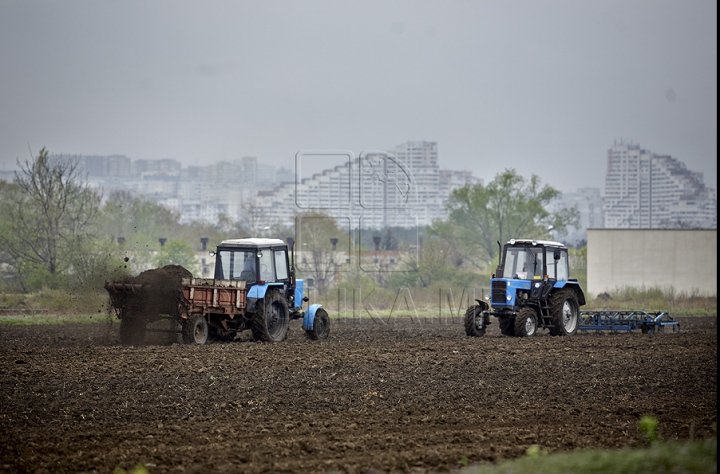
(541, 86)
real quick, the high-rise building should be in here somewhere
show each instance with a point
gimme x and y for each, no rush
(646, 190)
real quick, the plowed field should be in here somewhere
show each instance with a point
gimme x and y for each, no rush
(402, 396)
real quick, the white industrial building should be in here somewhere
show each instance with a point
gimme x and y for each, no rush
(680, 260)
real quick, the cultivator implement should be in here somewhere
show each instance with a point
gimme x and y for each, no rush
(608, 320)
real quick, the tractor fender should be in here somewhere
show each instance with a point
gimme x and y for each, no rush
(573, 285)
(309, 318)
(256, 293)
(483, 305)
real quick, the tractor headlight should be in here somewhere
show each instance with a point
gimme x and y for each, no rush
(508, 297)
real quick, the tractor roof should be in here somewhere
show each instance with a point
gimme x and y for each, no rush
(253, 242)
(547, 243)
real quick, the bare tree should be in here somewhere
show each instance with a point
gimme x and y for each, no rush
(50, 214)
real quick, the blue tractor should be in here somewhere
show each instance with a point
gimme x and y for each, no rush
(273, 295)
(530, 290)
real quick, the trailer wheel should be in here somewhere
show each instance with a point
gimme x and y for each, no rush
(132, 330)
(321, 326)
(474, 321)
(507, 326)
(565, 313)
(195, 329)
(271, 320)
(526, 322)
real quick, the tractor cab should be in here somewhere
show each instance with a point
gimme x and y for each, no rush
(534, 260)
(255, 261)
(529, 270)
(262, 264)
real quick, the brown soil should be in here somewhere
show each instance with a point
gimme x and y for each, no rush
(160, 293)
(373, 397)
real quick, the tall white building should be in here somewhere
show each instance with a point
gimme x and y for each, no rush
(650, 191)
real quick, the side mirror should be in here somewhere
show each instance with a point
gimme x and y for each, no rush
(212, 253)
(556, 255)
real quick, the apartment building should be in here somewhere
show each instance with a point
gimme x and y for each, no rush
(650, 191)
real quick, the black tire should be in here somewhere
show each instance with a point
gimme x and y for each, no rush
(195, 330)
(526, 322)
(473, 315)
(132, 330)
(647, 329)
(271, 320)
(565, 313)
(507, 326)
(321, 326)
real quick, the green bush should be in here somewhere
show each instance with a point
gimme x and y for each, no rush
(689, 457)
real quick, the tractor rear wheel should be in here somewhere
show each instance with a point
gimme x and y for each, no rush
(565, 313)
(474, 321)
(526, 322)
(321, 326)
(195, 329)
(507, 326)
(271, 320)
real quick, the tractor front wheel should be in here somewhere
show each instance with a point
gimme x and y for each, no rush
(526, 322)
(474, 321)
(321, 326)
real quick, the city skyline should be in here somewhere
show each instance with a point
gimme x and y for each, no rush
(288, 170)
(404, 186)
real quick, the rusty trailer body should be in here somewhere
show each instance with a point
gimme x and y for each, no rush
(228, 297)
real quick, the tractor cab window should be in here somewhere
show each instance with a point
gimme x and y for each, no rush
(267, 269)
(524, 263)
(557, 269)
(563, 272)
(236, 265)
(281, 265)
